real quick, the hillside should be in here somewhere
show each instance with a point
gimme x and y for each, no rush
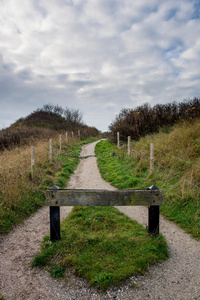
(176, 170)
(41, 119)
(45, 123)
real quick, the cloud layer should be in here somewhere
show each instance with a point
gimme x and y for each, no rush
(96, 55)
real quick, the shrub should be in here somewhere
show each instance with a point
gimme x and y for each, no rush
(146, 119)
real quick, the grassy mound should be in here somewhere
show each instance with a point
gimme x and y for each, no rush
(102, 245)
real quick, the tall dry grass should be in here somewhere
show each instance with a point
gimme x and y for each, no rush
(176, 152)
(20, 194)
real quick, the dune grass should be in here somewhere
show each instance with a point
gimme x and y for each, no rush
(176, 170)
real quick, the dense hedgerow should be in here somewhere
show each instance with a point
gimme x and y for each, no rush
(146, 119)
(12, 137)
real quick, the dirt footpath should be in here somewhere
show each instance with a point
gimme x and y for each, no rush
(176, 278)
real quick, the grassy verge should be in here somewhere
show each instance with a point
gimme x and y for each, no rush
(102, 245)
(20, 196)
(178, 177)
(69, 162)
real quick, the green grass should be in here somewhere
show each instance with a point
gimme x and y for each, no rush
(179, 180)
(118, 169)
(12, 215)
(69, 162)
(102, 245)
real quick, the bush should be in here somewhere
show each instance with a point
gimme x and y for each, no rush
(145, 119)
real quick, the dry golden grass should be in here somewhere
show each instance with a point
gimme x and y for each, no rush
(20, 194)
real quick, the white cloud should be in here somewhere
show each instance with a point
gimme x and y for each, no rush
(98, 55)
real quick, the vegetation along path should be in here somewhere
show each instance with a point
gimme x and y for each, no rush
(176, 278)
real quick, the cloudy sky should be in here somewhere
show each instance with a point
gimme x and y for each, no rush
(97, 55)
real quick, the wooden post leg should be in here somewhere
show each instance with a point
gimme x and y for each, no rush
(54, 212)
(153, 220)
(153, 217)
(54, 223)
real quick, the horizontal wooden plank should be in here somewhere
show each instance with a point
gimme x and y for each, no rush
(78, 197)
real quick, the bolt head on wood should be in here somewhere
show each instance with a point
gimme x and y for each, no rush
(153, 187)
(54, 187)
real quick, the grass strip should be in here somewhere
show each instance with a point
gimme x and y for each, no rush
(102, 245)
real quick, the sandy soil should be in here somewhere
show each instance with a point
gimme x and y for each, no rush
(176, 278)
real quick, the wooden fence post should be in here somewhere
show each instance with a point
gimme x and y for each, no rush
(117, 139)
(151, 158)
(72, 134)
(129, 145)
(54, 212)
(66, 137)
(60, 139)
(79, 134)
(32, 161)
(50, 150)
(153, 216)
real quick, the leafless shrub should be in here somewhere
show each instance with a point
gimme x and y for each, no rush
(146, 119)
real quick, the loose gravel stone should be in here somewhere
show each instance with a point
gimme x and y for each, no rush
(176, 278)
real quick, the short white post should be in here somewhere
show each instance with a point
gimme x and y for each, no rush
(66, 137)
(129, 145)
(72, 134)
(117, 139)
(79, 134)
(32, 161)
(60, 139)
(151, 158)
(50, 150)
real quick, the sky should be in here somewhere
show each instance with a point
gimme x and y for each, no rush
(98, 56)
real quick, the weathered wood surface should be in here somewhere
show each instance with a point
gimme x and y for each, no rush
(82, 197)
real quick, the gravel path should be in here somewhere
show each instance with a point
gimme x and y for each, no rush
(176, 278)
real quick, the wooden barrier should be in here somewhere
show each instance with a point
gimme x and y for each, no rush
(151, 197)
